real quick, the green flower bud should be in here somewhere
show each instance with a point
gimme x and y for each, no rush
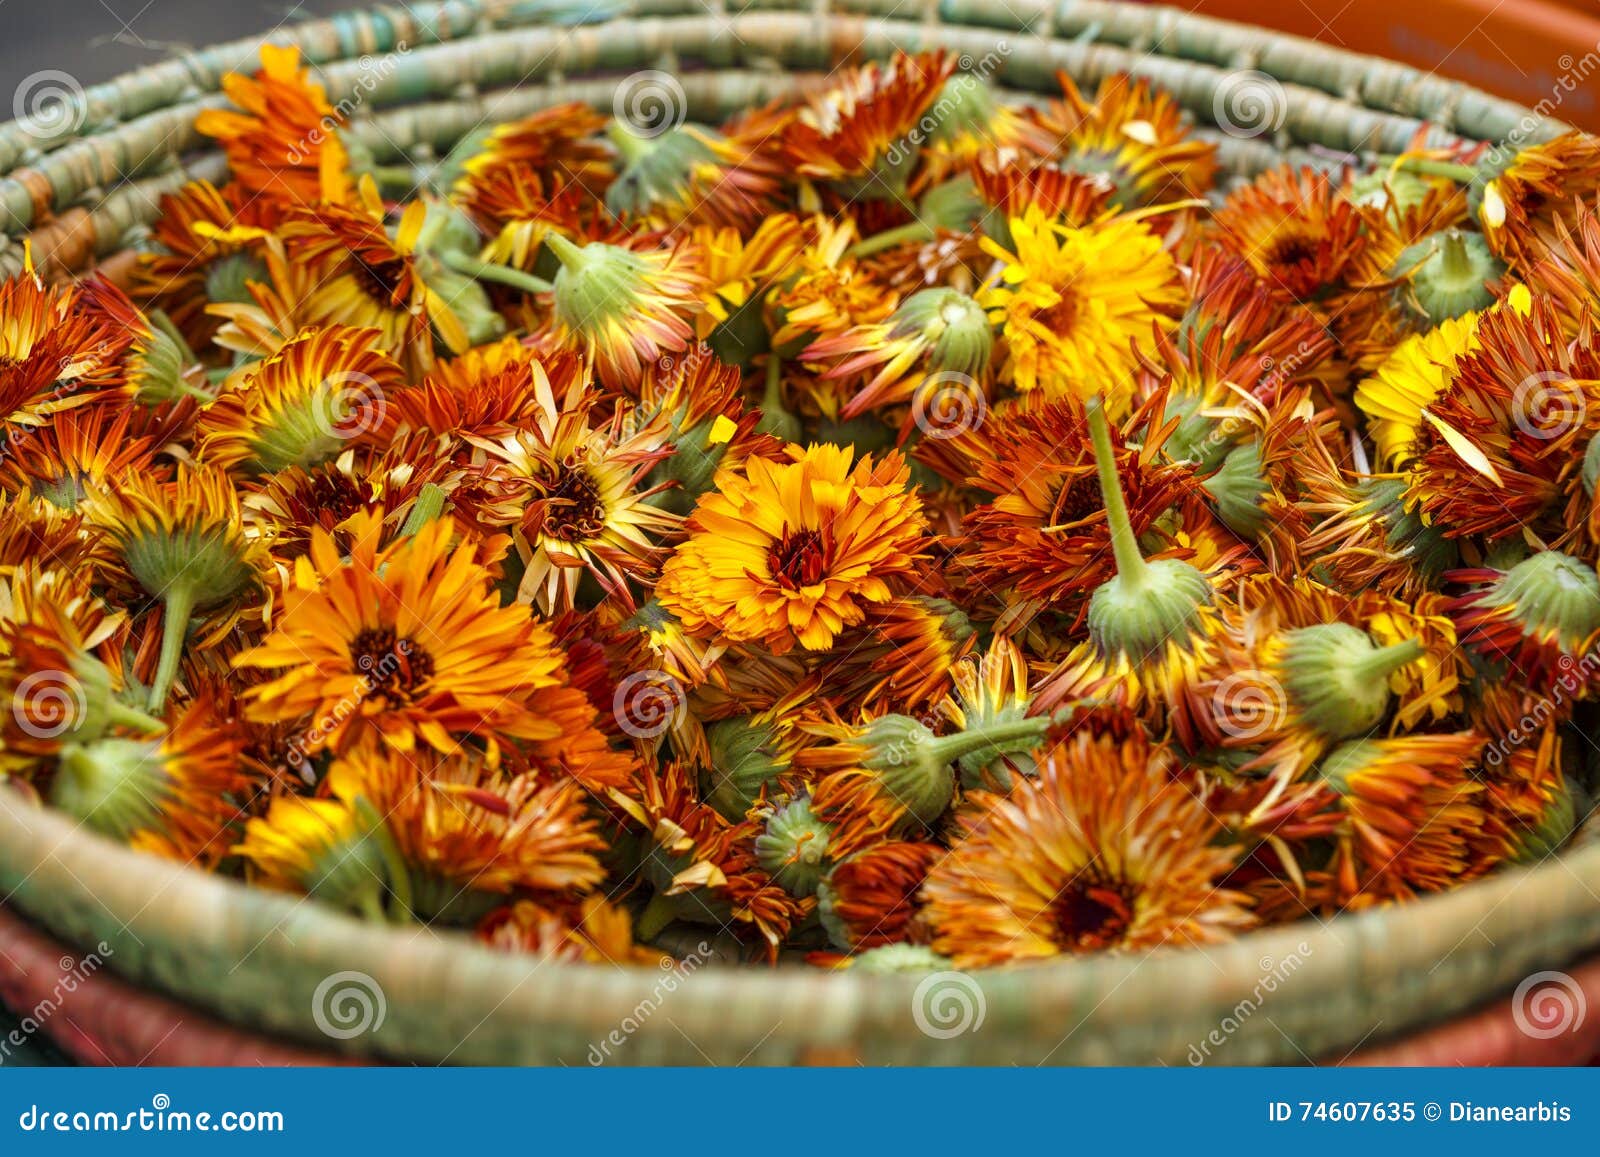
(1338, 678)
(1448, 274)
(744, 759)
(794, 848)
(961, 337)
(1551, 595)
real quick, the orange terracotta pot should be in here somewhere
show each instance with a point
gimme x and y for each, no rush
(1542, 53)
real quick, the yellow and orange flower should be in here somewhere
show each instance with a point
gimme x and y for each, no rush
(282, 140)
(794, 552)
(1104, 851)
(404, 645)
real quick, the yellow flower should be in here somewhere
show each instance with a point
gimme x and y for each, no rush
(1396, 398)
(1074, 301)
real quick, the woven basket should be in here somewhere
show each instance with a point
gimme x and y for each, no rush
(420, 77)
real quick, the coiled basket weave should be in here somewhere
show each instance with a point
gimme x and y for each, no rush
(199, 953)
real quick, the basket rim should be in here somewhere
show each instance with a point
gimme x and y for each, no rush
(73, 881)
(86, 888)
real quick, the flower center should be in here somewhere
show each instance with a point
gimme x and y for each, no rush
(1078, 499)
(1062, 317)
(395, 665)
(573, 510)
(382, 281)
(1090, 917)
(798, 558)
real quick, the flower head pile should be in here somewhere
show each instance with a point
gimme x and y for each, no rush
(887, 529)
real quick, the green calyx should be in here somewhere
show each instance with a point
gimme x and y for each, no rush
(228, 278)
(1591, 466)
(914, 764)
(1237, 489)
(960, 337)
(965, 107)
(115, 786)
(155, 369)
(1394, 191)
(794, 848)
(1430, 551)
(744, 759)
(1345, 761)
(656, 171)
(1338, 678)
(1551, 596)
(1555, 825)
(595, 284)
(899, 959)
(1448, 274)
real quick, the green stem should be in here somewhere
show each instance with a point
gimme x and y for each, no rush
(177, 607)
(1383, 662)
(570, 255)
(408, 177)
(1131, 566)
(1454, 261)
(656, 915)
(488, 271)
(428, 505)
(124, 716)
(1423, 167)
(630, 145)
(889, 238)
(952, 747)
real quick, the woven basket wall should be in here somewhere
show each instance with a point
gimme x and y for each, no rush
(426, 75)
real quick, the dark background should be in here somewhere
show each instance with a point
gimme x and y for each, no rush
(95, 40)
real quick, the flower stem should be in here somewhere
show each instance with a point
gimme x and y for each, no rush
(1131, 565)
(889, 238)
(952, 747)
(427, 506)
(1423, 167)
(656, 915)
(1383, 662)
(570, 255)
(124, 716)
(176, 609)
(408, 177)
(488, 271)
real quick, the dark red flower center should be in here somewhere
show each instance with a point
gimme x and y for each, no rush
(1090, 917)
(383, 281)
(798, 558)
(396, 666)
(572, 508)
